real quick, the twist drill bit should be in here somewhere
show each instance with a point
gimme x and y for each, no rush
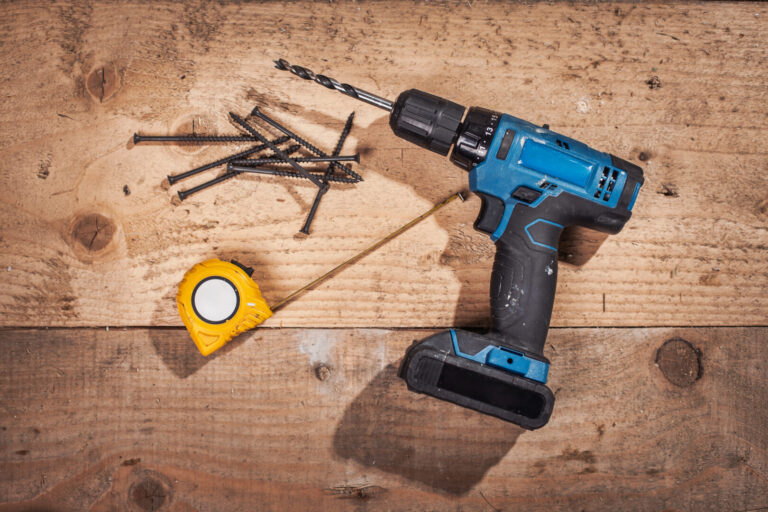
(330, 83)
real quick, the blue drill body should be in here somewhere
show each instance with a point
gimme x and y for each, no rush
(543, 160)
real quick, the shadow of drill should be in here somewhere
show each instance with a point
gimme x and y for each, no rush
(437, 444)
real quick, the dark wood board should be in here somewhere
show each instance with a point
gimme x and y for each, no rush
(315, 419)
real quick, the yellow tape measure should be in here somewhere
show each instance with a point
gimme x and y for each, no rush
(218, 300)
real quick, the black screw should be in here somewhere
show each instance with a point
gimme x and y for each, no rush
(183, 194)
(313, 210)
(236, 169)
(198, 139)
(256, 112)
(328, 174)
(237, 156)
(276, 161)
(276, 150)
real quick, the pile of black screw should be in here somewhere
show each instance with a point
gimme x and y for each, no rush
(240, 162)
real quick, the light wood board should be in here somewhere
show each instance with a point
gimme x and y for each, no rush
(315, 419)
(89, 235)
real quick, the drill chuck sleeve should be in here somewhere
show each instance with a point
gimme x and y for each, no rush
(426, 120)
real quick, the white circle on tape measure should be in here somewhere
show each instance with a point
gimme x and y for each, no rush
(215, 299)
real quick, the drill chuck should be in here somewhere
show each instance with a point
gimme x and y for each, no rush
(426, 120)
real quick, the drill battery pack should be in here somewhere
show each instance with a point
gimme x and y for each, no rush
(475, 371)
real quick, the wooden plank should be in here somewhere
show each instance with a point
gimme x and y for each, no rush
(315, 419)
(82, 77)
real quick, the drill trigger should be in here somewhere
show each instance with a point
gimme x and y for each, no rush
(491, 213)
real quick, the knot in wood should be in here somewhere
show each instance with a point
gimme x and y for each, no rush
(103, 82)
(93, 231)
(322, 372)
(679, 362)
(149, 494)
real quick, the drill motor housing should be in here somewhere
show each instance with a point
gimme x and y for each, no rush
(532, 183)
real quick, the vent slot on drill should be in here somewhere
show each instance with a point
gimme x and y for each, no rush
(562, 144)
(606, 184)
(545, 185)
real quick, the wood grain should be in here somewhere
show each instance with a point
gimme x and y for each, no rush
(89, 235)
(315, 419)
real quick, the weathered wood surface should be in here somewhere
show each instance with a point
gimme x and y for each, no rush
(89, 236)
(315, 419)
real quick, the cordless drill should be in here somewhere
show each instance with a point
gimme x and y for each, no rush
(532, 183)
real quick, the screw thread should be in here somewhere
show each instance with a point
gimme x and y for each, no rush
(234, 169)
(183, 194)
(279, 161)
(344, 134)
(237, 156)
(138, 139)
(328, 174)
(311, 147)
(240, 121)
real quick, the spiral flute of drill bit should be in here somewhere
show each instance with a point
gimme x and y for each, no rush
(330, 83)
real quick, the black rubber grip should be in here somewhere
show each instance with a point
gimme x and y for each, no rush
(523, 281)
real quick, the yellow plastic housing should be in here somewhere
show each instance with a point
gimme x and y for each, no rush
(251, 310)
